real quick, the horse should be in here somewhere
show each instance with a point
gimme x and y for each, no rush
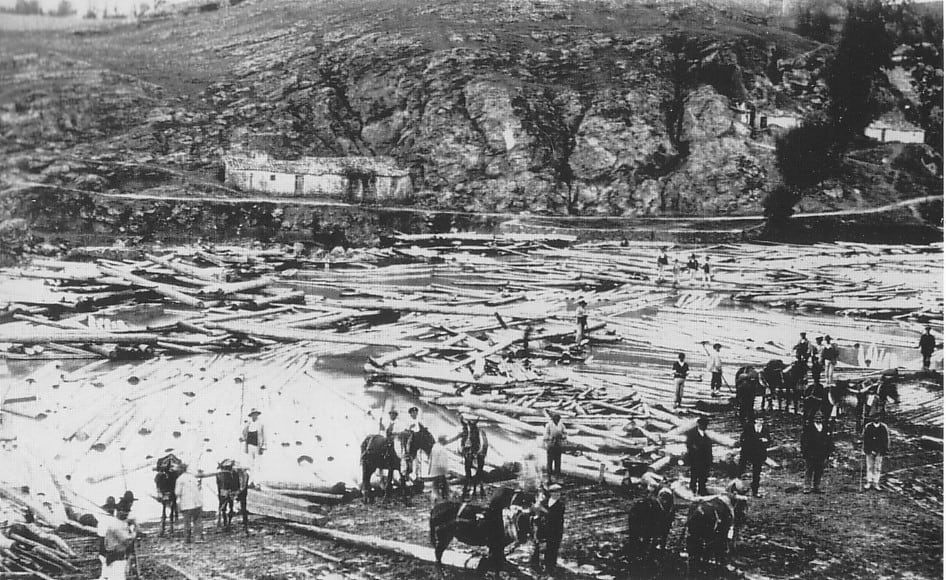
(785, 384)
(511, 517)
(473, 463)
(232, 484)
(649, 521)
(377, 452)
(168, 470)
(420, 440)
(748, 387)
(712, 528)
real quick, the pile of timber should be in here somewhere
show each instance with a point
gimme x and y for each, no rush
(35, 552)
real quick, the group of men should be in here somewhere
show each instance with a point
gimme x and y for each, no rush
(816, 437)
(474, 445)
(692, 268)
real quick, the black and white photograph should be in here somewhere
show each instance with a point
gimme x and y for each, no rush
(471, 289)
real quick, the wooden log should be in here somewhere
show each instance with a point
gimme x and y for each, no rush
(163, 289)
(386, 359)
(39, 336)
(414, 306)
(424, 553)
(234, 287)
(216, 274)
(478, 403)
(295, 334)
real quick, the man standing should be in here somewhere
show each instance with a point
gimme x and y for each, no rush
(553, 440)
(662, 262)
(693, 266)
(754, 444)
(815, 448)
(803, 348)
(581, 319)
(876, 444)
(254, 438)
(817, 359)
(715, 367)
(707, 278)
(118, 537)
(699, 455)
(439, 469)
(189, 502)
(413, 424)
(830, 359)
(927, 346)
(680, 371)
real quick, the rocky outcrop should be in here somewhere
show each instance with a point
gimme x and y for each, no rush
(551, 107)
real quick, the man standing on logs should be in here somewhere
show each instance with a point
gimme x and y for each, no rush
(553, 440)
(715, 368)
(699, 455)
(680, 371)
(815, 448)
(927, 346)
(581, 319)
(754, 444)
(662, 263)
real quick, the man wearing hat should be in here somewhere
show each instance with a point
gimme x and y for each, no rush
(715, 366)
(413, 423)
(254, 437)
(553, 440)
(815, 448)
(699, 455)
(110, 505)
(118, 537)
(754, 444)
(803, 348)
(440, 469)
(391, 426)
(189, 502)
(876, 439)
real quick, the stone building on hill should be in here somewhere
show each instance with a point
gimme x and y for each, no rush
(355, 179)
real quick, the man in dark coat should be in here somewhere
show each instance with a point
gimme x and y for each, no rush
(754, 443)
(876, 444)
(816, 446)
(699, 455)
(927, 346)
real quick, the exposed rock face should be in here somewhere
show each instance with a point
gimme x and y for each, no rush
(550, 106)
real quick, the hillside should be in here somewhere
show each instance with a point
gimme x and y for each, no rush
(603, 108)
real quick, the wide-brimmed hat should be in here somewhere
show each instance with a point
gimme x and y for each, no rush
(413, 410)
(254, 411)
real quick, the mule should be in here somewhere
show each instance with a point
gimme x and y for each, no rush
(232, 485)
(378, 453)
(168, 470)
(785, 384)
(511, 517)
(649, 521)
(712, 529)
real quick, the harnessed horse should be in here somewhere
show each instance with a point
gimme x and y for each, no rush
(712, 528)
(380, 453)
(511, 517)
(785, 384)
(748, 387)
(232, 485)
(649, 521)
(416, 441)
(168, 470)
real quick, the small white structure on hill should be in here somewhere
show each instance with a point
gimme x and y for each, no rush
(351, 178)
(894, 128)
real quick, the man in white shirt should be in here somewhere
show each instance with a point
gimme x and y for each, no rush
(715, 367)
(439, 469)
(189, 502)
(553, 440)
(118, 536)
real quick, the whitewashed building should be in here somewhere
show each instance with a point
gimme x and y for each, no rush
(887, 131)
(353, 178)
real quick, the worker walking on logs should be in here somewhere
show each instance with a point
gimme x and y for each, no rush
(662, 263)
(706, 275)
(927, 346)
(581, 319)
(680, 371)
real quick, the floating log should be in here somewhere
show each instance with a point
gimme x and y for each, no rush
(163, 289)
(39, 336)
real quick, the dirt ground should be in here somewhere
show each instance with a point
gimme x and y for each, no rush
(844, 533)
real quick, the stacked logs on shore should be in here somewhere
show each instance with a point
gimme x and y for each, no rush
(34, 552)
